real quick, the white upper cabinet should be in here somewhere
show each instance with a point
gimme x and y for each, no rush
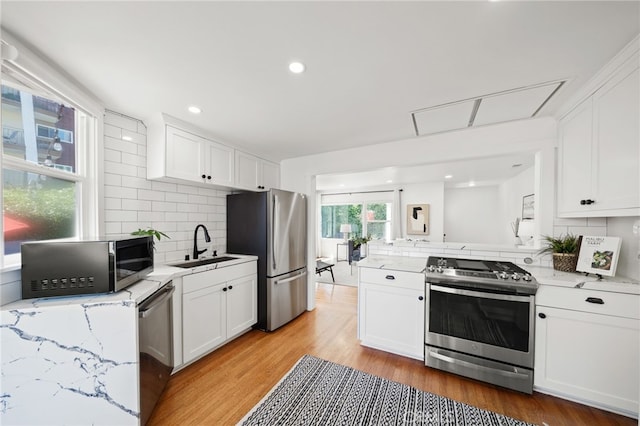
(256, 174)
(599, 150)
(194, 158)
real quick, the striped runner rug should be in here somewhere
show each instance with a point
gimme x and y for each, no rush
(320, 392)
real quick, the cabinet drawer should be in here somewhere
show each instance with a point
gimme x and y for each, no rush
(412, 280)
(201, 280)
(593, 301)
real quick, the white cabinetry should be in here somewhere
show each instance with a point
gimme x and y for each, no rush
(599, 150)
(177, 152)
(255, 174)
(391, 311)
(217, 305)
(588, 347)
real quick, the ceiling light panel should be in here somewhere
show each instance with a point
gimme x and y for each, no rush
(443, 118)
(513, 105)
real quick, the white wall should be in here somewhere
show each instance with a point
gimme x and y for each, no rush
(470, 215)
(510, 193)
(131, 201)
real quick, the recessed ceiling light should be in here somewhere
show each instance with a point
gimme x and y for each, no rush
(448, 176)
(127, 138)
(296, 67)
(472, 183)
(194, 109)
(389, 181)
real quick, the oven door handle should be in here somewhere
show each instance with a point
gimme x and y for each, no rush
(512, 374)
(481, 294)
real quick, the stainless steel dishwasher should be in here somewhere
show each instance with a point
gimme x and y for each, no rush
(155, 325)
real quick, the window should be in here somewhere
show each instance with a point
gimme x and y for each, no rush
(368, 218)
(378, 220)
(48, 144)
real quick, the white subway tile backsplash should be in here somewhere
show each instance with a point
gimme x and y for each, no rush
(112, 155)
(136, 182)
(120, 168)
(121, 215)
(133, 159)
(133, 202)
(120, 145)
(118, 191)
(144, 194)
(163, 206)
(121, 121)
(137, 205)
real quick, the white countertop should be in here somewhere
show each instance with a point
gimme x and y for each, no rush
(395, 263)
(133, 294)
(544, 275)
(549, 276)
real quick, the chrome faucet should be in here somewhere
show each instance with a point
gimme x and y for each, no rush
(207, 238)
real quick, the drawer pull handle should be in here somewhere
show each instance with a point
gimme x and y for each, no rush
(542, 315)
(390, 277)
(595, 300)
(420, 298)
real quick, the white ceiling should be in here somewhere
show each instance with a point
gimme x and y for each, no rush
(369, 64)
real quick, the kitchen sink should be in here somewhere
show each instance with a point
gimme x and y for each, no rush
(209, 261)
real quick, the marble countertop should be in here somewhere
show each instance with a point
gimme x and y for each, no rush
(395, 263)
(544, 275)
(133, 294)
(549, 276)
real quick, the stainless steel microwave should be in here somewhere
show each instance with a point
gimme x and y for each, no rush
(63, 268)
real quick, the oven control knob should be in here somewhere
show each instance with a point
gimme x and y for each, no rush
(503, 275)
(515, 277)
(526, 277)
(440, 270)
(432, 268)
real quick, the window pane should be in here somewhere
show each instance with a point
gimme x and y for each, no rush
(378, 211)
(378, 230)
(38, 130)
(36, 207)
(334, 216)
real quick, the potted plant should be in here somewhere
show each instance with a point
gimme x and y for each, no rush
(354, 246)
(564, 250)
(153, 233)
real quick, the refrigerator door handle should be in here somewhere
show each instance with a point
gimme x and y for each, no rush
(274, 229)
(286, 280)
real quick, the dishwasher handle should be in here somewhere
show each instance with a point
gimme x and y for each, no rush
(158, 298)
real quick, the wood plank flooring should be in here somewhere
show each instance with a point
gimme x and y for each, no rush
(222, 387)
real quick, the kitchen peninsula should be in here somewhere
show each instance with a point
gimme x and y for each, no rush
(79, 356)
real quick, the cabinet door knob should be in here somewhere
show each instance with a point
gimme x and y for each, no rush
(224, 289)
(390, 277)
(420, 297)
(230, 287)
(542, 315)
(209, 177)
(204, 176)
(595, 300)
(590, 202)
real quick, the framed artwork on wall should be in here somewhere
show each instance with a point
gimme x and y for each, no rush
(418, 219)
(527, 207)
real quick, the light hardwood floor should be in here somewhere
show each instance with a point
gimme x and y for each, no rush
(222, 387)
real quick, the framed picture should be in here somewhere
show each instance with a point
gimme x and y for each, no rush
(599, 255)
(527, 206)
(418, 219)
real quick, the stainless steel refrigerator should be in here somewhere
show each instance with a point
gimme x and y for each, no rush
(273, 226)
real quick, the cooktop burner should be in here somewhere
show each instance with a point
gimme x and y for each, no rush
(482, 274)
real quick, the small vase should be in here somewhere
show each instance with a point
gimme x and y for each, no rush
(565, 262)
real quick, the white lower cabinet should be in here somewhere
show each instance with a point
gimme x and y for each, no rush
(217, 305)
(391, 311)
(588, 351)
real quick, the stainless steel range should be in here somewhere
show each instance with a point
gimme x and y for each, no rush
(480, 320)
